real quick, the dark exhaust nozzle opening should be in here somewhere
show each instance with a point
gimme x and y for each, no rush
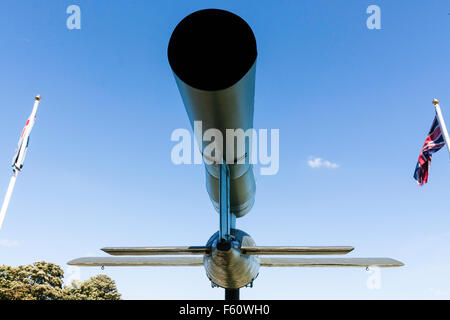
(212, 49)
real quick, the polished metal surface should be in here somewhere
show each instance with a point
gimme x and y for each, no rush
(148, 251)
(224, 209)
(138, 261)
(242, 192)
(330, 262)
(280, 250)
(230, 108)
(218, 91)
(231, 269)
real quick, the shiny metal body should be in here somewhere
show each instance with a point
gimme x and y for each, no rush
(231, 269)
(224, 210)
(230, 108)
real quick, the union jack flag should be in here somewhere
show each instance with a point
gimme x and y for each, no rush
(434, 142)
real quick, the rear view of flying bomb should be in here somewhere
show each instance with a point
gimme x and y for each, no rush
(19, 157)
(213, 55)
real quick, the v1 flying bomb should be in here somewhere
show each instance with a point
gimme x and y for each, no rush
(213, 55)
(19, 156)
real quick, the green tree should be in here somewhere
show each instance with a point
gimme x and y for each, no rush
(44, 281)
(100, 287)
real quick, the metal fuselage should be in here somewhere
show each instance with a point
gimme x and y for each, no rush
(229, 108)
(213, 57)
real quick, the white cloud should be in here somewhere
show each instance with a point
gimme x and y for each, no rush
(319, 162)
(9, 243)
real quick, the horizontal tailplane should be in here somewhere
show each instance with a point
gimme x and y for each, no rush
(283, 250)
(330, 262)
(138, 261)
(156, 251)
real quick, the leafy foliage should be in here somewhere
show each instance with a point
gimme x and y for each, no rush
(44, 281)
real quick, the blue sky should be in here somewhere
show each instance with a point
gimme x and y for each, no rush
(356, 97)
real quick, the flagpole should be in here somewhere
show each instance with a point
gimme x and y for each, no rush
(442, 123)
(19, 157)
(5, 205)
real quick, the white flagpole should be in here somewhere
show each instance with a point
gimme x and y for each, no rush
(5, 205)
(18, 162)
(442, 124)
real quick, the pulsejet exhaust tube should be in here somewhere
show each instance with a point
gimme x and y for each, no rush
(213, 57)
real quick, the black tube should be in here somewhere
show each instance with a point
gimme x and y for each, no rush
(231, 294)
(212, 49)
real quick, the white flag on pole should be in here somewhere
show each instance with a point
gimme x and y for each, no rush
(19, 157)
